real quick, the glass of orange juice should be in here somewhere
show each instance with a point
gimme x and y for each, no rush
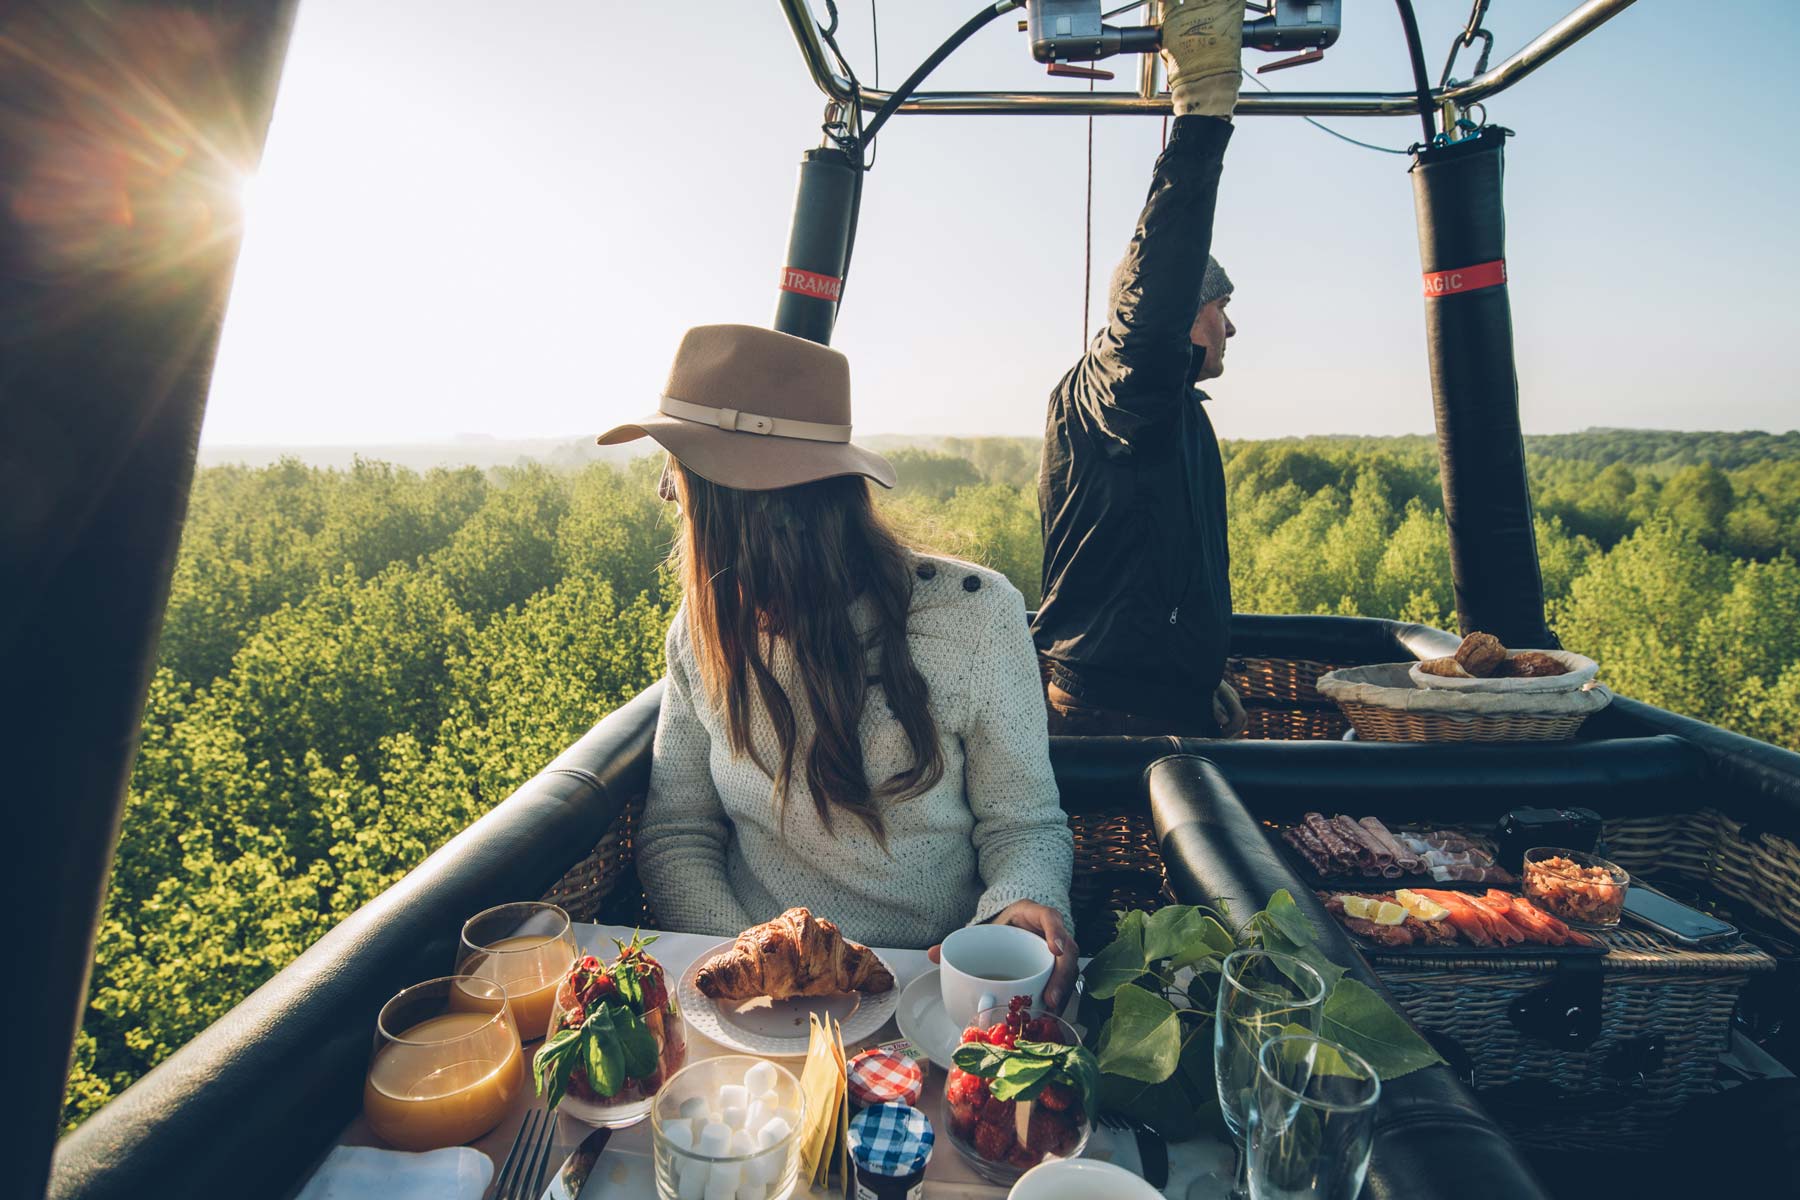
(526, 948)
(447, 1064)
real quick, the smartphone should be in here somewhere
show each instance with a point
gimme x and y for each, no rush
(1689, 926)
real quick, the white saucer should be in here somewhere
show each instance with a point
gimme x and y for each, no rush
(923, 1021)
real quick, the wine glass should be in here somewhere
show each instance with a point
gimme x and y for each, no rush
(1312, 1120)
(446, 1065)
(1261, 994)
(527, 948)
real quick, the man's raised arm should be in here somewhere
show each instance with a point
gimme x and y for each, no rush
(1137, 370)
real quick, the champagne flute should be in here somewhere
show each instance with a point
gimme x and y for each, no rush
(526, 948)
(1312, 1120)
(1261, 994)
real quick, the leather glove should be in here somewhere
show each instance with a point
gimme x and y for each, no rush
(1202, 41)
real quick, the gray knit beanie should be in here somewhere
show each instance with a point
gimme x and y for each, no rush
(1215, 284)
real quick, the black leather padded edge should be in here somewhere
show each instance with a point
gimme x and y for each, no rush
(251, 1103)
(1337, 639)
(1432, 1139)
(1641, 776)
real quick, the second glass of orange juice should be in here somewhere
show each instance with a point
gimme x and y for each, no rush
(526, 948)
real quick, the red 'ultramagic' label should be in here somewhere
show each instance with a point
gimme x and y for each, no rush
(1466, 279)
(811, 283)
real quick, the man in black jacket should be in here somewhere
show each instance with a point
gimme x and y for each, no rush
(1135, 621)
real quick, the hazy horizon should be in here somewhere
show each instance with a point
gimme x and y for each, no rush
(472, 219)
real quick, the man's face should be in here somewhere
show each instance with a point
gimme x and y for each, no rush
(1211, 329)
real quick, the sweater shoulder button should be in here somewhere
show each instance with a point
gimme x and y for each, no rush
(971, 583)
(925, 570)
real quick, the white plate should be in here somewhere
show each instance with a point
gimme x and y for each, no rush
(923, 1021)
(778, 1028)
(1581, 670)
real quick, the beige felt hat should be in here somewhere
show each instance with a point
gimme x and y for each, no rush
(754, 409)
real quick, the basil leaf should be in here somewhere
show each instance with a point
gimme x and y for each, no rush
(977, 1059)
(544, 1064)
(1021, 1077)
(1356, 1016)
(1121, 962)
(605, 1059)
(1143, 1039)
(636, 1042)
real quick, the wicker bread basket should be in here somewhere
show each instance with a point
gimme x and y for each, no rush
(1384, 705)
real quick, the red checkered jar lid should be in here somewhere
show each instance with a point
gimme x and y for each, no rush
(877, 1077)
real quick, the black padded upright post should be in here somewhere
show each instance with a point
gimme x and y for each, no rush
(125, 129)
(812, 279)
(1461, 212)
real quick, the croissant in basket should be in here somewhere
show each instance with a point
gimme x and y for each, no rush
(796, 954)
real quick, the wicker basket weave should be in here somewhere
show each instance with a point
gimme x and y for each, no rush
(1674, 1003)
(1374, 724)
(1710, 850)
(1281, 699)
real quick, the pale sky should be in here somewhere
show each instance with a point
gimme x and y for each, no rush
(489, 218)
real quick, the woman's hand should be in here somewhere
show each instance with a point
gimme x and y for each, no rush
(1228, 711)
(1047, 923)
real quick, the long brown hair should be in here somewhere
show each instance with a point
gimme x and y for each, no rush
(786, 564)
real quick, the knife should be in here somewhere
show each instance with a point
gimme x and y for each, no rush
(578, 1166)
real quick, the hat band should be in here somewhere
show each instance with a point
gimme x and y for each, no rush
(736, 421)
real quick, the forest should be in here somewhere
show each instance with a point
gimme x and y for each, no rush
(357, 663)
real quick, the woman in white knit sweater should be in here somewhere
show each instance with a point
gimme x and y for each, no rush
(848, 725)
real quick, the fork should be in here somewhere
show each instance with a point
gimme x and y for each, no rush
(521, 1176)
(1153, 1151)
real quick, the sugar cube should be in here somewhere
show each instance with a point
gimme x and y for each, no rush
(761, 1109)
(734, 1116)
(773, 1132)
(694, 1106)
(742, 1143)
(715, 1140)
(764, 1168)
(734, 1095)
(722, 1181)
(760, 1079)
(680, 1134)
(690, 1180)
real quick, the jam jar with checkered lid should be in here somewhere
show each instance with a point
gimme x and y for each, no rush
(890, 1145)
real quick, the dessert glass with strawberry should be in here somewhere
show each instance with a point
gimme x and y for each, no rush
(614, 1036)
(1021, 1092)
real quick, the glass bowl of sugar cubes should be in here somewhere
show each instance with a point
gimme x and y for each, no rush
(727, 1128)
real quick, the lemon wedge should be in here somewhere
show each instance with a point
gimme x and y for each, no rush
(1421, 907)
(1359, 907)
(1387, 913)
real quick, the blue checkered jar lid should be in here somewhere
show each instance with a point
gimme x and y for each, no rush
(891, 1139)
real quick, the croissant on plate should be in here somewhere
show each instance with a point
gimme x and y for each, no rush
(796, 954)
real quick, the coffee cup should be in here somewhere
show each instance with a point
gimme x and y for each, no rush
(982, 966)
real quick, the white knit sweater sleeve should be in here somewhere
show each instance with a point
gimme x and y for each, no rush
(1022, 839)
(682, 847)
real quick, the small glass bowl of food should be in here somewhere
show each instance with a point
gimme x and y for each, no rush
(728, 1126)
(1001, 1139)
(1579, 888)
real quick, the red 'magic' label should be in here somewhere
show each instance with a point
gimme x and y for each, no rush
(809, 283)
(1466, 279)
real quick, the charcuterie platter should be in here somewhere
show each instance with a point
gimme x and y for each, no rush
(1341, 851)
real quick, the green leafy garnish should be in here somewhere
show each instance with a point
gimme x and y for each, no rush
(1022, 1071)
(1148, 1000)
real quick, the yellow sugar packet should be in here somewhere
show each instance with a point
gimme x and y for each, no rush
(841, 1160)
(822, 1083)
